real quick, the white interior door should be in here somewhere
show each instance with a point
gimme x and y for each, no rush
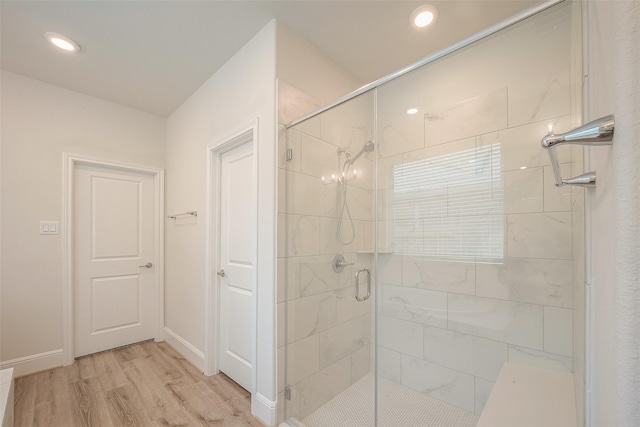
(115, 285)
(238, 243)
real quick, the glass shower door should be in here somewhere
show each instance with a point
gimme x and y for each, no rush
(475, 265)
(326, 212)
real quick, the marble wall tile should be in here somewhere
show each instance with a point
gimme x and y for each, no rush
(303, 194)
(389, 364)
(558, 331)
(368, 326)
(483, 391)
(439, 382)
(323, 386)
(527, 356)
(340, 341)
(457, 277)
(360, 203)
(438, 151)
(288, 278)
(300, 193)
(504, 321)
(520, 146)
(543, 96)
(310, 315)
(400, 335)
(364, 167)
(349, 125)
(360, 363)
(465, 353)
(386, 170)
(539, 235)
(289, 139)
(298, 235)
(416, 305)
(468, 117)
(329, 243)
(557, 198)
(316, 274)
(302, 359)
(399, 134)
(317, 157)
(310, 126)
(389, 269)
(324, 198)
(536, 281)
(294, 103)
(348, 307)
(523, 191)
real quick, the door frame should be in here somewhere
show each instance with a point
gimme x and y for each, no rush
(69, 163)
(246, 134)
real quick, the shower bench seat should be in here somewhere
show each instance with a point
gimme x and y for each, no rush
(528, 396)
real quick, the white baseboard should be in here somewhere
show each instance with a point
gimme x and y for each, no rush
(185, 348)
(263, 409)
(35, 363)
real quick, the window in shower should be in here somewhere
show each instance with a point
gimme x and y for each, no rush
(450, 206)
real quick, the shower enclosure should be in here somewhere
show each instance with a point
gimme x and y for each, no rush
(422, 242)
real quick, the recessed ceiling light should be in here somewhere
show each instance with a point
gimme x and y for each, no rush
(412, 110)
(62, 42)
(424, 15)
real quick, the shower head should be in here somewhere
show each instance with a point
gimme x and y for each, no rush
(368, 147)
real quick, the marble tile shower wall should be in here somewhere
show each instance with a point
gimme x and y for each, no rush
(446, 326)
(324, 335)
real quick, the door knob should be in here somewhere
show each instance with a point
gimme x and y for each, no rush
(221, 273)
(147, 265)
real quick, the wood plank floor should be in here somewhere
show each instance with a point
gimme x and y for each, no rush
(145, 384)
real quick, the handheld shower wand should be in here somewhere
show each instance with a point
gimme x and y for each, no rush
(368, 147)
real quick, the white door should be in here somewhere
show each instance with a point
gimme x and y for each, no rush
(115, 283)
(238, 245)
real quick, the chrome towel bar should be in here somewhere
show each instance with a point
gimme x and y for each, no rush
(595, 133)
(174, 216)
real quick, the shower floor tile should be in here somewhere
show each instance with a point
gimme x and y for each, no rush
(398, 407)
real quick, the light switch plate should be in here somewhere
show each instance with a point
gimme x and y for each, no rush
(49, 227)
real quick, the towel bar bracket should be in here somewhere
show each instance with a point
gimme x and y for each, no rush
(595, 133)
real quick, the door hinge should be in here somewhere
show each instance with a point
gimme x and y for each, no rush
(289, 154)
(287, 392)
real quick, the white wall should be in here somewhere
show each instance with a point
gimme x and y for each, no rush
(39, 123)
(241, 91)
(613, 87)
(306, 68)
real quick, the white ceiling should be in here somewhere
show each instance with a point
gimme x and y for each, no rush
(152, 55)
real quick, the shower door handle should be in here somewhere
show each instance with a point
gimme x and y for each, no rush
(368, 294)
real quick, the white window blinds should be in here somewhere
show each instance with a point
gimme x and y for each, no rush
(450, 206)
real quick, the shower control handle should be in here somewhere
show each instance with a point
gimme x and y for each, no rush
(339, 263)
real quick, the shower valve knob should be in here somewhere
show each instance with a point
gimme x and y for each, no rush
(339, 263)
